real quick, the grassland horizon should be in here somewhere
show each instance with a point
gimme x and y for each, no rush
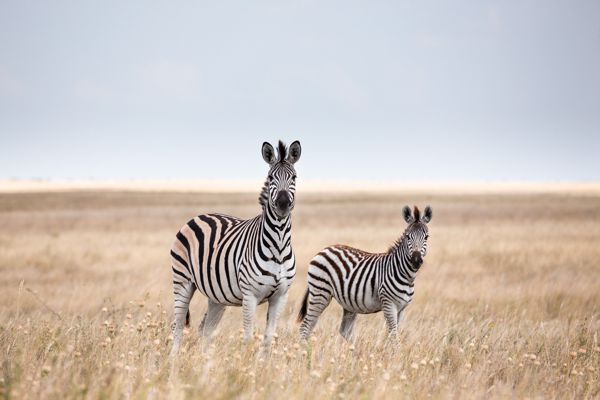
(507, 303)
(252, 186)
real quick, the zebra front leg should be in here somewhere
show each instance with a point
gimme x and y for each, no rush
(211, 319)
(183, 295)
(248, 309)
(347, 326)
(390, 313)
(275, 306)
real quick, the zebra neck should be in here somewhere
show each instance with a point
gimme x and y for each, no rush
(275, 232)
(400, 261)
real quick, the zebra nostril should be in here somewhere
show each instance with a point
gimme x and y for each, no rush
(416, 257)
(282, 202)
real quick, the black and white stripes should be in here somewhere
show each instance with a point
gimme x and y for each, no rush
(237, 262)
(364, 283)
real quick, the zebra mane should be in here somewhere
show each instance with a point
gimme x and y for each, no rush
(282, 150)
(263, 198)
(397, 243)
(417, 214)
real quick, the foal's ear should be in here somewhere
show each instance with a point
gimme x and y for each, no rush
(427, 214)
(407, 213)
(268, 153)
(294, 152)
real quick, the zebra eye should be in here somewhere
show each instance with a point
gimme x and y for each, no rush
(270, 177)
(294, 177)
(426, 237)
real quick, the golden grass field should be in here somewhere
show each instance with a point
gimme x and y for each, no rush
(506, 305)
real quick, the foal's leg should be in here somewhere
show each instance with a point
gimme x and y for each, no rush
(318, 300)
(347, 326)
(390, 313)
(211, 319)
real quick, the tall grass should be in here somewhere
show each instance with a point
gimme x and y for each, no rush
(506, 305)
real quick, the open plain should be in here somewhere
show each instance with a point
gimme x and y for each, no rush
(507, 303)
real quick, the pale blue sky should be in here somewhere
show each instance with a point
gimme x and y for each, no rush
(456, 90)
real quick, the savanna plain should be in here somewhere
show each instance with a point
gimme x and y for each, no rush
(506, 304)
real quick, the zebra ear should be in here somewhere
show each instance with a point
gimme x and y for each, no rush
(294, 152)
(407, 213)
(268, 153)
(427, 214)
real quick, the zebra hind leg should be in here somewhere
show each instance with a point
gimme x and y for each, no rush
(211, 319)
(347, 325)
(317, 300)
(183, 295)
(400, 318)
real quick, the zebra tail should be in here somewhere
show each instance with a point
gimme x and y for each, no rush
(304, 308)
(187, 318)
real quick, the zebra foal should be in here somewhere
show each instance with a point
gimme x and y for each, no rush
(236, 262)
(364, 283)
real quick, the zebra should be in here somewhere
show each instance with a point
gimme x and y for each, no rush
(364, 283)
(236, 262)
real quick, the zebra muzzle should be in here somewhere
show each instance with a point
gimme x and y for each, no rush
(416, 258)
(283, 203)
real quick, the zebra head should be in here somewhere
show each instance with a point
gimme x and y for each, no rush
(279, 191)
(417, 233)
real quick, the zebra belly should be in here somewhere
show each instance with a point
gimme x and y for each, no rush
(372, 305)
(221, 285)
(231, 293)
(368, 305)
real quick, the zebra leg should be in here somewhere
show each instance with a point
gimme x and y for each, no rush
(211, 319)
(317, 303)
(390, 313)
(347, 326)
(275, 306)
(248, 310)
(400, 318)
(183, 295)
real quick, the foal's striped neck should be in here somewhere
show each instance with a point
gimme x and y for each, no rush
(399, 258)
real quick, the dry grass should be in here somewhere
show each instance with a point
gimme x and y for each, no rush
(507, 304)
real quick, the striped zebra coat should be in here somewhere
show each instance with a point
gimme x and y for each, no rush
(235, 262)
(364, 283)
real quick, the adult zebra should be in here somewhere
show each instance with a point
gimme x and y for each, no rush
(237, 262)
(365, 283)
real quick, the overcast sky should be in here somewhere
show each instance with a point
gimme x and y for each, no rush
(457, 90)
